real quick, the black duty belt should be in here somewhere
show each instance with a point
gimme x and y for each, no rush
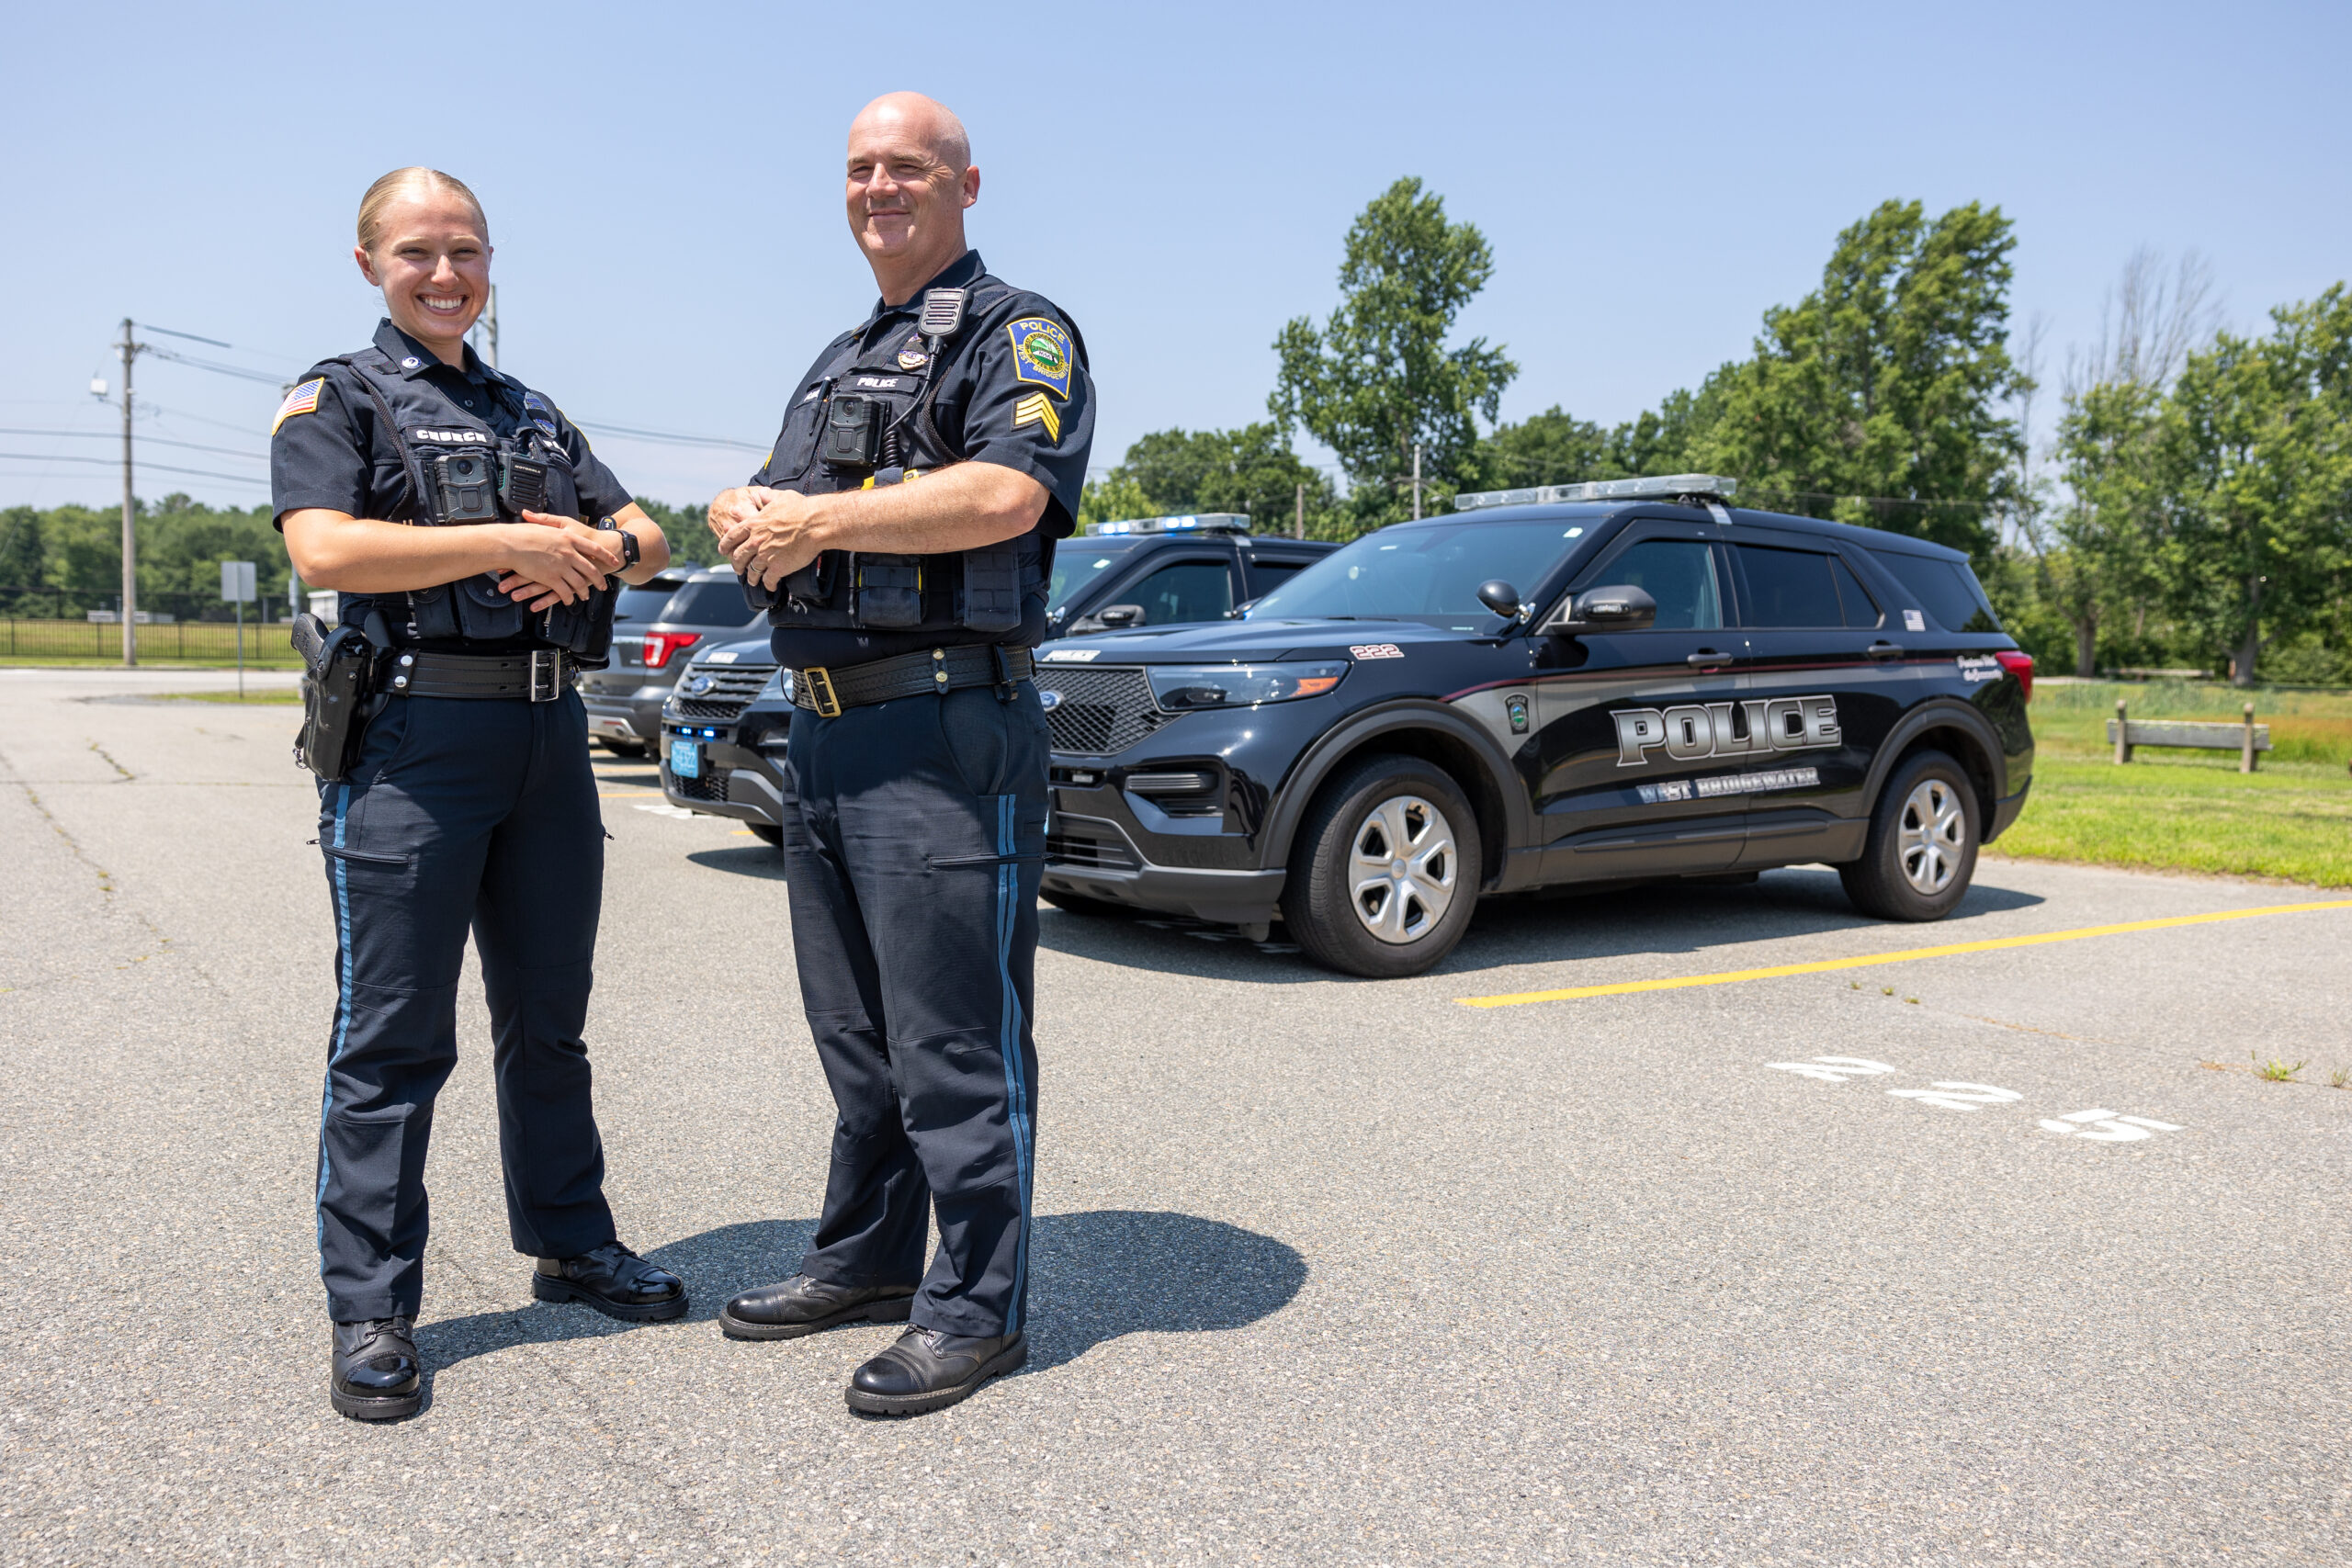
(543, 674)
(826, 692)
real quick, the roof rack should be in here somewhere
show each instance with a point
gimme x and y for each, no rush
(1190, 523)
(1707, 487)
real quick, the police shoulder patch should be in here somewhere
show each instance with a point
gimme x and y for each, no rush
(1041, 354)
(303, 399)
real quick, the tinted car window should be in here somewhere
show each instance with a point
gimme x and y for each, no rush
(643, 603)
(1079, 563)
(1678, 573)
(1269, 575)
(718, 602)
(1861, 610)
(1421, 570)
(1188, 591)
(1947, 590)
(1787, 588)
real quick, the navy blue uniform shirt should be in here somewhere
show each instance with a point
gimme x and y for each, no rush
(980, 414)
(329, 449)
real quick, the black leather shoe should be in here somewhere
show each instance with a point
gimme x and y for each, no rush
(613, 1280)
(377, 1374)
(927, 1370)
(801, 1306)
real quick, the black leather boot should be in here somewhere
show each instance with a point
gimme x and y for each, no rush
(377, 1376)
(802, 1305)
(613, 1280)
(927, 1370)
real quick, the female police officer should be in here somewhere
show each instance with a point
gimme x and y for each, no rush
(468, 800)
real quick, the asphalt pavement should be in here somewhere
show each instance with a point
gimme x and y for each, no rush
(1834, 1266)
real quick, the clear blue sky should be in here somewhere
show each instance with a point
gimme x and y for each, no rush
(663, 185)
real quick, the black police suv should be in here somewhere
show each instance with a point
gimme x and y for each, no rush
(1582, 687)
(724, 726)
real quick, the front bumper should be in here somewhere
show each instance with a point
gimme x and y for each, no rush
(742, 768)
(1093, 857)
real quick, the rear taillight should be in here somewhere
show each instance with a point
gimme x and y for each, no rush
(2022, 666)
(659, 645)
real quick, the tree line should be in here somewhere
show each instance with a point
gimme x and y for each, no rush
(2195, 509)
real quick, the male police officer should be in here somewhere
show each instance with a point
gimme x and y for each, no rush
(903, 530)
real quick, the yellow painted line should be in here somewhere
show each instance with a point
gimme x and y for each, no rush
(1574, 993)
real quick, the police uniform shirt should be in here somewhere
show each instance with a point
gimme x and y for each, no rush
(329, 451)
(985, 411)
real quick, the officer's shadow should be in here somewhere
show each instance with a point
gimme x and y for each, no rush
(1094, 1276)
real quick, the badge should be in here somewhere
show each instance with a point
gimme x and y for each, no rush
(1515, 705)
(913, 359)
(303, 399)
(1041, 354)
(1036, 409)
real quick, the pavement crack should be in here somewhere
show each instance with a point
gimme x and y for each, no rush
(107, 758)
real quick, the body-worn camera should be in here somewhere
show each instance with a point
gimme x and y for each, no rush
(853, 437)
(468, 485)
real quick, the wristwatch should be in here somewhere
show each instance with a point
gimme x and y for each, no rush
(631, 551)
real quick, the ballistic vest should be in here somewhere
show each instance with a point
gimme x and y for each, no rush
(462, 471)
(977, 589)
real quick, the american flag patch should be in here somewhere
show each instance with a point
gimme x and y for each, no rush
(1034, 409)
(303, 399)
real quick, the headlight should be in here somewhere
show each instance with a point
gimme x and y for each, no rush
(779, 685)
(1181, 688)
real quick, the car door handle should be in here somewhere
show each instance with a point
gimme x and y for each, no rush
(1708, 656)
(1882, 649)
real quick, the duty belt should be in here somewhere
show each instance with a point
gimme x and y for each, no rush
(543, 674)
(826, 692)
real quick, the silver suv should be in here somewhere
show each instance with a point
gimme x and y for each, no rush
(624, 699)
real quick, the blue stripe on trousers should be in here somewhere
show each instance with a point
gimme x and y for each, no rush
(1008, 898)
(342, 1013)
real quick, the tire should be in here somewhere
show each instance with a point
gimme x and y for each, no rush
(624, 748)
(767, 833)
(1366, 916)
(1079, 904)
(1922, 847)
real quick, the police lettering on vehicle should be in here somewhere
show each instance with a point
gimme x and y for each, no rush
(1697, 731)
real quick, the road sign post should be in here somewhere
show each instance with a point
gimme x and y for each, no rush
(237, 588)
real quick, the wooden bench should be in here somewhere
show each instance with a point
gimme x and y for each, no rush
(2247, 738)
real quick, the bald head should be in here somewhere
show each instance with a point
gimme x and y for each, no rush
(915, 117)
(910, 179)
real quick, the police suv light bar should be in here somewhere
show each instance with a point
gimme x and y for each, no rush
(1658, 488)
(1200, 523)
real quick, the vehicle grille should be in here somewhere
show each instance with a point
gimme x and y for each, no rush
(711, 786)
(1101, 711)
(1078, 848)
(733, 688)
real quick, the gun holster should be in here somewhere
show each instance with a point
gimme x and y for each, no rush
(339, 694)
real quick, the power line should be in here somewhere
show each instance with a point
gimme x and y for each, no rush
(268, 377)
(151, 440)
(152, 468)
(667, 437)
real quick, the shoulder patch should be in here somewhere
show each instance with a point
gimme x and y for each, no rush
(1041, 354)
(303, 399)
(1037, 409)
(543, 413)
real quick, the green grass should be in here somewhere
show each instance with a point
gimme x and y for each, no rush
(275, 695)
(2181, 810)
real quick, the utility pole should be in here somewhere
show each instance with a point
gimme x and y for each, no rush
(1298, 514)
(1417, 482)
(488, 327)
(130, 531)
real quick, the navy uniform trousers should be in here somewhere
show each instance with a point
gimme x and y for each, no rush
(914, 841)
(476, 813)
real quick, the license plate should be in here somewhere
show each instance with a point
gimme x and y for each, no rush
(686, 759)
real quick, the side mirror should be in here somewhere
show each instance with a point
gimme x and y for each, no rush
(1114, 616)
(1611, 609)
(1498, 596)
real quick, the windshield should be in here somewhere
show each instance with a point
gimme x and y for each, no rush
(714, 602)
(636, 604)
(1423, 572)
(1080, 563)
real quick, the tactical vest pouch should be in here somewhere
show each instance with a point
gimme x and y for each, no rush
(991, 596)
(890, 590)
(337, 688)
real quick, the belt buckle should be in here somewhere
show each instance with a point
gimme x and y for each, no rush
(818, 682)
(547, 675)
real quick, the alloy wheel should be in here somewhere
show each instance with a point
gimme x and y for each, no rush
(1931, 835)
(1402, 869)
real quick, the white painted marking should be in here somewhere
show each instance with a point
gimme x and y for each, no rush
(2107, 1127)
(1832, 1069)
(1959, 1095)
(666, 810)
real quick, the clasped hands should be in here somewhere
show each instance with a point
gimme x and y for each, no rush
(558, 560)
(766, 535)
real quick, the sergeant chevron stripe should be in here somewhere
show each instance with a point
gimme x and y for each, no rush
(1034, 409)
